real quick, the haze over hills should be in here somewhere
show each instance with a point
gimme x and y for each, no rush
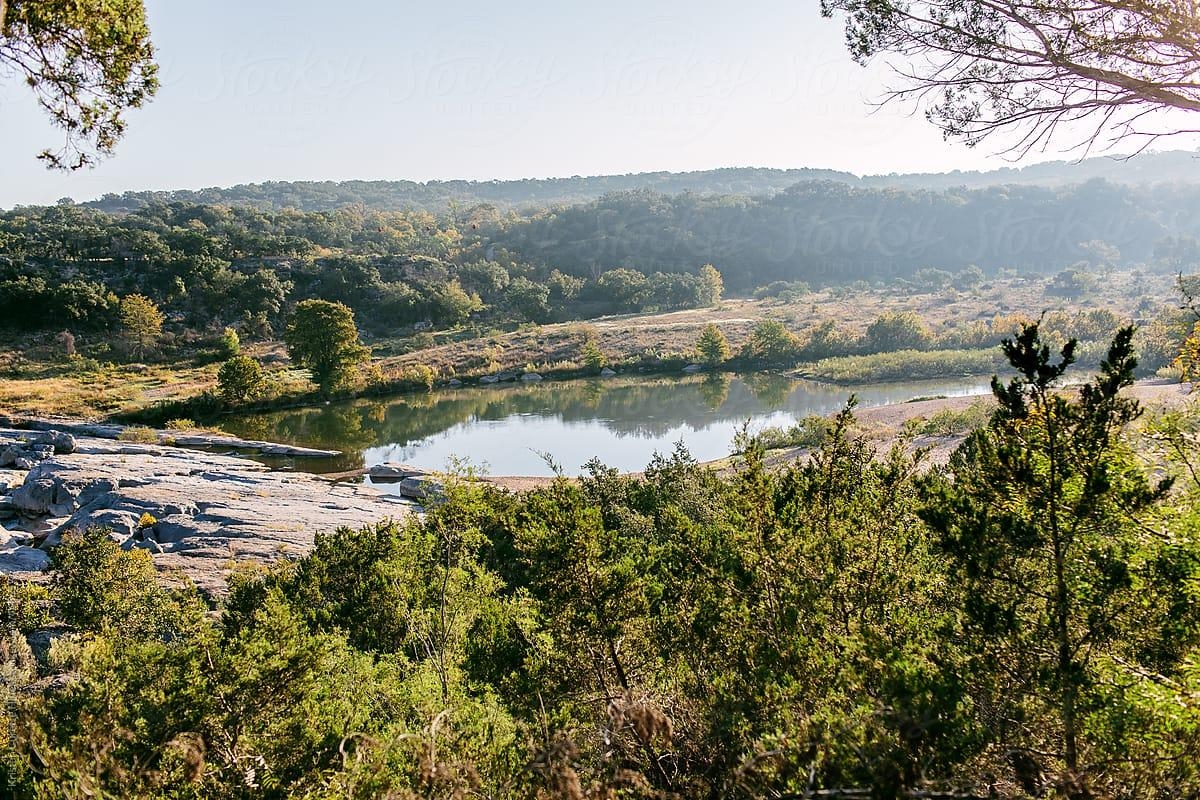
(1144, 169)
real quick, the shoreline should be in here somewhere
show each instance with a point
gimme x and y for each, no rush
(887, 421)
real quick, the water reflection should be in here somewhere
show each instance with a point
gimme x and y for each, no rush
(506, 428)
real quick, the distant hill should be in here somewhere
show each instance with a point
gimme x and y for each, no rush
(1145, 169)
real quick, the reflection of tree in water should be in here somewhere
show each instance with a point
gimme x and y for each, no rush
(714, 389)
(770, 390)
(593, 393)
(628, 406)
(376, 412)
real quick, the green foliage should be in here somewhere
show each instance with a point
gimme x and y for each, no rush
(1071, 283)
(591, 355)
(87, 62)
(712, 346)
(712, 286)
(1042, 525)
(808, 433)
(419, 375)
(240, 379)
(141, 324)
(99, 587)
(228, 345)
(138, 433)
(952, 422)
(902, 330)
(905, 365)
(322, 338)
(856, 622)
(772, 343)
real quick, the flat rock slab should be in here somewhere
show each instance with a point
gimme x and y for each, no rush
(195, 512)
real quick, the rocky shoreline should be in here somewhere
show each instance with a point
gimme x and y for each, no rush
(197, 513)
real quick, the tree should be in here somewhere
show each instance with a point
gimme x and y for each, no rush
(87, 62)
(591, 355)
(1043, 522)
(992, 65)
(530, 300)
(141, 324)
(897, 330)
(771, 342)
(712, 286)
(453, 305)
(321, 337)
(240, 379)
(712, 346)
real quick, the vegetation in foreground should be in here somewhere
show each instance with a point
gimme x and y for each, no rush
(1021, 623)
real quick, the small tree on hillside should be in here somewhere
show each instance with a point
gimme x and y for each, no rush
(771, 342)
(712, 346)
(240, 379)
(322, 337)
(141, 324)
(592, 356)
(897, 331)
(712, 286)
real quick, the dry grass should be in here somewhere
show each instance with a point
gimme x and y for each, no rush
(43, 384)
(630, 337)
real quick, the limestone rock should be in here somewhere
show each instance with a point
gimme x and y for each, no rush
(210, 509)
(62, 442)
(390, 471)
(421, 488)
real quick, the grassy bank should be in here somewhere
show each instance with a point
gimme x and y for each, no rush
(905, 365)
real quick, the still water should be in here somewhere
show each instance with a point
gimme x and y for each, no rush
(512, 429)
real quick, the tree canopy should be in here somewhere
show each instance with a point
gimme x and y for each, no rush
(1032, 67)
(87, 62)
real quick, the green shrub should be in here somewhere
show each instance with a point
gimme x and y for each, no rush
(712, 347)
(772, 343)
(228, 345)
(240, 379)
(591, 355)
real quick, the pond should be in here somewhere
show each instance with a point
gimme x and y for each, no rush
(511, 429)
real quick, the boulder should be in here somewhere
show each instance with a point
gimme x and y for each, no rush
(62, 442)
(174, 528)
(390, 471)
(454, 382)
(489, 379)
(507, 375)
(690, 368)
(421, 488)
(531, 376)
(41, 640)
(22, 558)
(607, 373)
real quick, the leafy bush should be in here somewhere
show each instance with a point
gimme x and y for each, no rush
(228, 345)
(772, 343)
(240, 379)
(712, 346)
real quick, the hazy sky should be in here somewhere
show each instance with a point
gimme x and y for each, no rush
(295, 90)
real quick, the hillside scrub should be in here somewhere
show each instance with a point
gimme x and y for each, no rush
(849, 621)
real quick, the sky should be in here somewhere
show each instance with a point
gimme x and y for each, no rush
(298, 90)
